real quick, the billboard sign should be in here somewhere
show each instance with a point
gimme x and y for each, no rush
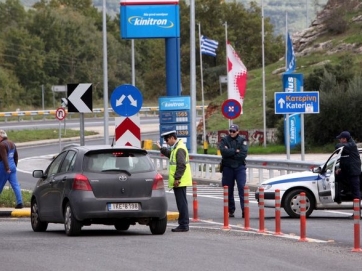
(150, 21)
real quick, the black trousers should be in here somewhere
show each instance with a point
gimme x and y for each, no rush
(182, 206)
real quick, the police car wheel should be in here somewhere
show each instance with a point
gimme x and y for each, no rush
(292, 203)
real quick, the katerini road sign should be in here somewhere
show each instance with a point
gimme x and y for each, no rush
(296, 102)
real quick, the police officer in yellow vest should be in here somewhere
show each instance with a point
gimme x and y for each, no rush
(179, 175)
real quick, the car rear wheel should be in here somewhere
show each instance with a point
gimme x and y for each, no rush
(36, 223)
(158, 226)
(71, 225)
(121, 226)
(292, 203)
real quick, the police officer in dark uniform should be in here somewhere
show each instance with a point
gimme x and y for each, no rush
(234, 149)
(350, 163)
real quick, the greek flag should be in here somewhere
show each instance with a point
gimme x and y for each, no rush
(208, 46)
(291, 62)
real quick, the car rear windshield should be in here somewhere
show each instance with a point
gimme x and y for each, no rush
(108, 160)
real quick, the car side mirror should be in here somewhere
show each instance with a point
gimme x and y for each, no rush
(317, 170)
(38, 174)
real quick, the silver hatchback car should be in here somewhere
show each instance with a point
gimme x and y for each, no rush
(102, 184)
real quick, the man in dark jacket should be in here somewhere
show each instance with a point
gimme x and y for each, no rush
(350, 163)
(234, 149)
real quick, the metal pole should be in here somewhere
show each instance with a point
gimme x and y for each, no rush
(263, 64)
(133, 64)
(60, 136)
(193, 78)
(42, 99)
(287, 135)
(227, 69)
(202, 95)
(307, 19)
(105, 76)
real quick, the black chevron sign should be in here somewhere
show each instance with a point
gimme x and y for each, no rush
(80, 98)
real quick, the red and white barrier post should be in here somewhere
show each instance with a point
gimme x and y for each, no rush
(195, 202)
(277, 212)
(226, 209)
(246, 208)
(356, 222)
(261, 210)
(303, 207)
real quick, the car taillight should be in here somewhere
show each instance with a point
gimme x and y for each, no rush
(158, 182)
(81, 182)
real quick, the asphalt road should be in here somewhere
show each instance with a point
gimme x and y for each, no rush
(103, 248)
(332, 230)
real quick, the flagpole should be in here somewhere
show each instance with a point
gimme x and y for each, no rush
(263, 64)
(226, 56)
(202, 96)
(193, 132)
(287, 133)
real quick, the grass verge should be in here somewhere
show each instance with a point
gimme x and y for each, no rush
(7, 198)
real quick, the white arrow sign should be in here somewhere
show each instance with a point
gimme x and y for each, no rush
(133, 101)
(76, 98)
(119, 102)
(281, 102)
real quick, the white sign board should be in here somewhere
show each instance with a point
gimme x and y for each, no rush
(59, 88)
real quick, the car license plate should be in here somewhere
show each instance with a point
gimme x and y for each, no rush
(123, 206)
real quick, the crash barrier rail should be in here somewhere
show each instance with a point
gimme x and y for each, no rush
(206, 167)
(152, 110)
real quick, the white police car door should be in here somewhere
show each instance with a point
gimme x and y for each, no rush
(326, 183)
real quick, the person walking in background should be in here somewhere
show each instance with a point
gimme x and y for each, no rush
(234, 150)
(179, 175)
(350, 164)
(8, 164)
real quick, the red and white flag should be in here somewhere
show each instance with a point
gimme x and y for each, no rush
(237, 76)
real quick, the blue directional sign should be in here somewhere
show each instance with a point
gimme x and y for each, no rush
(296, 102)
(126, 100)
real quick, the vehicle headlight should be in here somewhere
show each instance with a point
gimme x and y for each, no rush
(266, 186)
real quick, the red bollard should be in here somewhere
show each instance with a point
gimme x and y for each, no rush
(195, 202)
(261, 210)
(277, 212)
(246, 209)
(226, 209)
(356, 222)
(303, 220)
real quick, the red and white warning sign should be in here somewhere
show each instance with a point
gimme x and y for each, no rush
(60, 113)
(128, 131)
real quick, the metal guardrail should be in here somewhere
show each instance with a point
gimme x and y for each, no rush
(144, 110)
(206, 167)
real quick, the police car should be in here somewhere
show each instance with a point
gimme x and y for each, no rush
(321, 189)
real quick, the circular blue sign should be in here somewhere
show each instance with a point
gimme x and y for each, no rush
(126, 100)
(231, 109)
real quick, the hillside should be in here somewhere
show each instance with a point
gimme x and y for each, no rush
(300, 13)
(324, 43)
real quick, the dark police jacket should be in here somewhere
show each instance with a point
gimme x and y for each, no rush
(231, 158)
(350, 162)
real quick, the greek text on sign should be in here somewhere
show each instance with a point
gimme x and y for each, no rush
(296, 102)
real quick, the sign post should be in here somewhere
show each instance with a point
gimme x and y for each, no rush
(296, 103)
(60, 114)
